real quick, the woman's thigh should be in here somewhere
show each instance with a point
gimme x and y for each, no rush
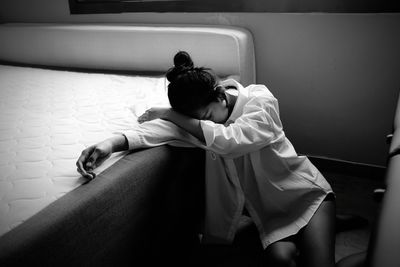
(316, 241)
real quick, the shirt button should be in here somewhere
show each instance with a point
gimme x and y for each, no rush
(213, 156)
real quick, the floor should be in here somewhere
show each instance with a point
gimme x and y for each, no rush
(354, 195)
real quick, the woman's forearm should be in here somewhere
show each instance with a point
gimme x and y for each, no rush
(189, 124)
(118, 143)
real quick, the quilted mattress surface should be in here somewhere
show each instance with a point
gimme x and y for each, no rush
(47, 117)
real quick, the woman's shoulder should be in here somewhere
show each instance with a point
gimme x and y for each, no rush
(260, 95)
(259, 90)
(253, 94)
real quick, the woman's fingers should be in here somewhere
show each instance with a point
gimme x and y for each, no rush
(87, 174)
(81, 161)
(143, 117)
(152, 114)
(91, 162)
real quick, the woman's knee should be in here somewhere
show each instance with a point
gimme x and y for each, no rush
(281, 255)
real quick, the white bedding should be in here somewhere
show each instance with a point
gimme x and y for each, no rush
(47, 118)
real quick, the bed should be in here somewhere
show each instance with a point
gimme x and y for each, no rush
(64, 87)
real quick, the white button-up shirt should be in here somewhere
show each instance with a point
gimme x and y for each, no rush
(249, 163)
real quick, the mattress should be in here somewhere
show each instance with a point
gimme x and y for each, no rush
(47, 117)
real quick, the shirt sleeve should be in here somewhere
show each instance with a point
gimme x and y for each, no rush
(258, 126)
(159, 132)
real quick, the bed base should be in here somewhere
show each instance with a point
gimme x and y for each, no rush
(151, 212)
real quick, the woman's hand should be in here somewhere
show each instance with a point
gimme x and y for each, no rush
(92, 157)
(154, 113)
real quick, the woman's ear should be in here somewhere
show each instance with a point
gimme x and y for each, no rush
(222, 100)
(220, 90)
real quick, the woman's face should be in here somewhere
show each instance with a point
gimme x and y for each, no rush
(216, 111)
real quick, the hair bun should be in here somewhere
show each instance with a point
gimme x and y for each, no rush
(183, 60)
(182, 63)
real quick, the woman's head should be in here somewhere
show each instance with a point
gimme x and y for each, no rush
(194, 91)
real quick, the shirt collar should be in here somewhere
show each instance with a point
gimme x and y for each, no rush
(240, 101)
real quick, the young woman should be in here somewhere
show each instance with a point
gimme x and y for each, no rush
(250, 164)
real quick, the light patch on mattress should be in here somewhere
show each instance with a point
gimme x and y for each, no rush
(32, 154)
(47, 118)
(7, 157)
(31, 170)
(28, 189)
(33, 142)
(34, 131)
(5, 188)
(65, 152)
(6, 171)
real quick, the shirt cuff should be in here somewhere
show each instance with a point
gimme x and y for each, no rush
(208, 131)
(134, 139)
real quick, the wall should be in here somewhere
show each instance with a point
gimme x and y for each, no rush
(335, 75)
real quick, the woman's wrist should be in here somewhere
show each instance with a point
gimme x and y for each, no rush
(168, 115)
(189, 124)
(117, 143)
(175, 117)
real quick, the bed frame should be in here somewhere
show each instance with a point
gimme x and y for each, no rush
(229, 51)
(152, 206)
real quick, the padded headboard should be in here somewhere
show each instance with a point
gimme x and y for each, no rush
(123, 47)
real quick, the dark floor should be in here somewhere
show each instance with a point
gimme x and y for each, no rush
(354, 196)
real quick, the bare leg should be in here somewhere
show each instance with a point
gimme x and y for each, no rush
(317, 239)
(281, 254)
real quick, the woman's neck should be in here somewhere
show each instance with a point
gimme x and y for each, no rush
(231, 97)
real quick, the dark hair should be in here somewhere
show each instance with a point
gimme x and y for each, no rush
(190, 87)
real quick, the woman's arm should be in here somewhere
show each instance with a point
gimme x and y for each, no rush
(258, 126)
(150, 134)
(190, 125)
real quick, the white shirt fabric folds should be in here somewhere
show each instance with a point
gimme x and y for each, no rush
(249, 163)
